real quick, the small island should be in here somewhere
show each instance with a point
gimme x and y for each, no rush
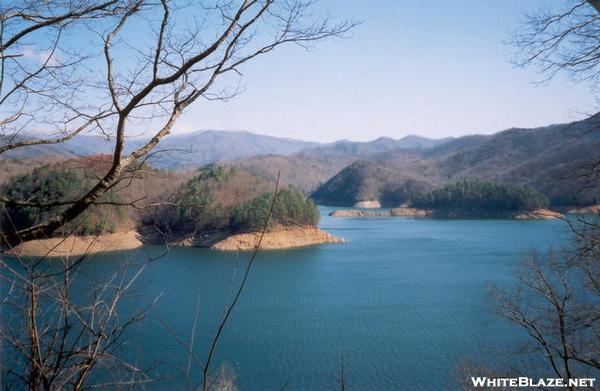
(469, 198)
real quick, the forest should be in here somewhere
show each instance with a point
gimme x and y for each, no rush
(482, 196)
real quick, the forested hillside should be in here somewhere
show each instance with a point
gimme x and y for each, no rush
(553, 160)
(55, 185)
(158, 203)
(366, 180)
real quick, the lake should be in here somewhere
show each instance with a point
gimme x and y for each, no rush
(402, 300)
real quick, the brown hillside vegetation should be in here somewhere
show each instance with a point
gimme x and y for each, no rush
(224, 204)
(554, 160)
(306, 173)
(120, 210)
(12, 167)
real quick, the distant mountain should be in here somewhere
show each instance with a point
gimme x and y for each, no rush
(193, 150)
(179, 151)
(81, 145)
(382, 144)
(553, 159)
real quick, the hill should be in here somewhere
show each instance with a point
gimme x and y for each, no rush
(366, 180)
(553, 160)
(304, 173)
(160, 204)
(69, 180)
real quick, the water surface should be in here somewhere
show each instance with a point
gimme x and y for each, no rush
(403, 300)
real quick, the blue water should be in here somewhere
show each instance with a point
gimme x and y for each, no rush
(403, 300)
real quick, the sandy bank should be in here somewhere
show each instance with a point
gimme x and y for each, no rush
(279, 239)
(78, 245)
(538, 214)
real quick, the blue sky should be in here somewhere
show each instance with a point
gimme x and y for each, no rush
(433, 68)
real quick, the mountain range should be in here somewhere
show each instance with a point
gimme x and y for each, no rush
(553, 159)
(192, 150)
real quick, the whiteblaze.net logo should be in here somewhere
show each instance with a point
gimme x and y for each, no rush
(502, 382)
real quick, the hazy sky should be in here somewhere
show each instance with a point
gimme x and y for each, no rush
(427, 67)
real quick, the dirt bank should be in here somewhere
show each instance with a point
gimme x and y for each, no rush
(278, 239)
(78, 245)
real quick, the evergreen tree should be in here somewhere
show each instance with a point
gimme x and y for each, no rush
(482, 196)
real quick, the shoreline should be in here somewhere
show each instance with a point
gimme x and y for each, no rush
(74, 245)
(536, 214)
(279, 239)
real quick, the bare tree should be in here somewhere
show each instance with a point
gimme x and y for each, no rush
(566, 41)
(556, 304)
(61, 331)
(557, 296)
(114, 87)
(40, 86)
(192, 47)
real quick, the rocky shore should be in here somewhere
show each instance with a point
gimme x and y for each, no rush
(358, 213)
(537, 214)
(396, 212)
